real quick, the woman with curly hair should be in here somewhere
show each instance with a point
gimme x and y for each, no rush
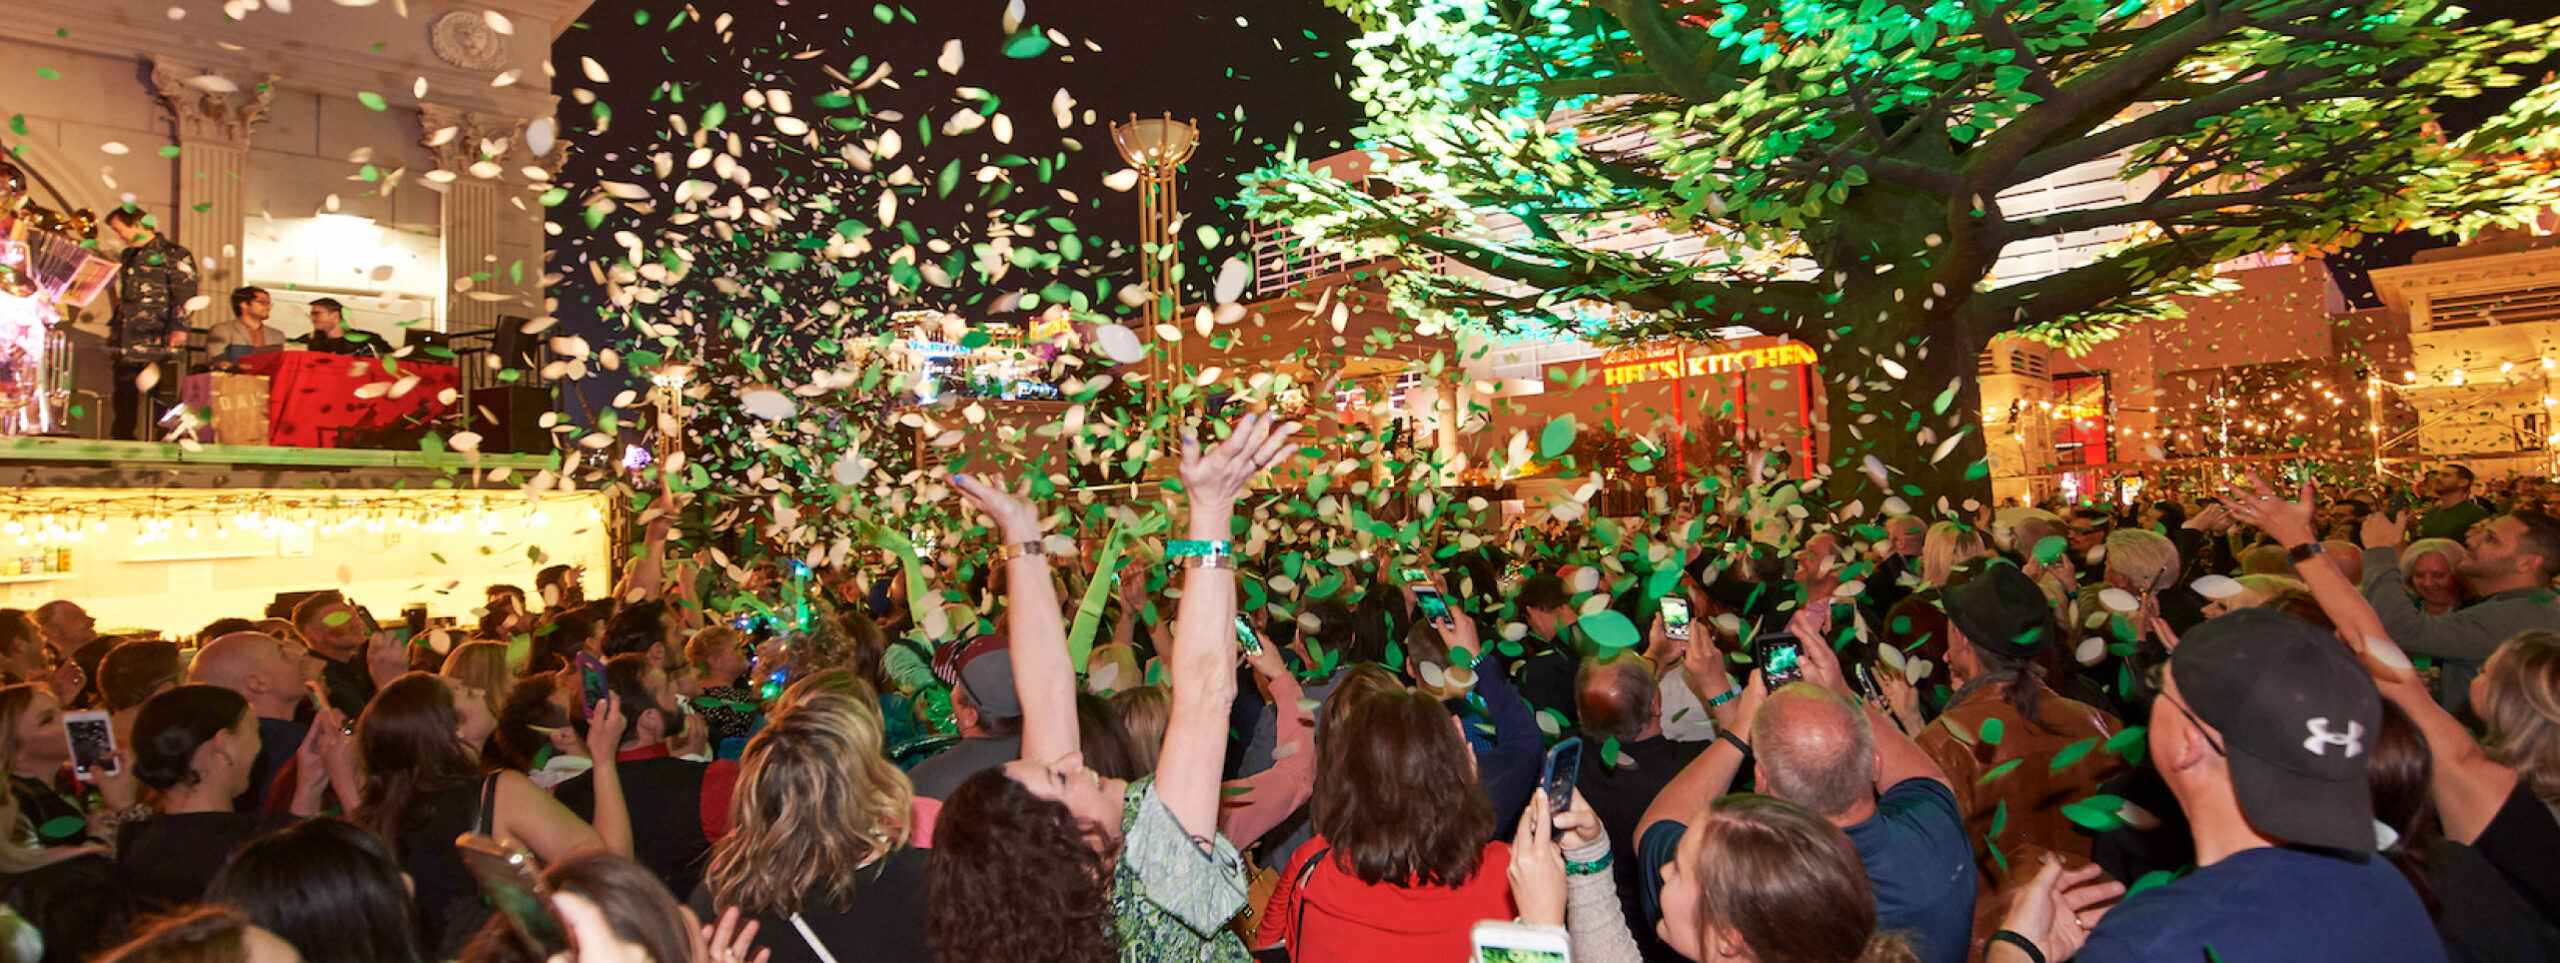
(1045, 860)
(818, 850)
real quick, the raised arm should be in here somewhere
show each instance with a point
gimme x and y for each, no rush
(1901, 757)
(1044, 674)
(2468, 786)
(1201, 664)
(647, 576)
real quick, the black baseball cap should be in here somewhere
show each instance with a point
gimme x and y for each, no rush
(2298, 717)
(1999, 608)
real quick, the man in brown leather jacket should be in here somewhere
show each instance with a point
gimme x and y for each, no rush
(2003, 713)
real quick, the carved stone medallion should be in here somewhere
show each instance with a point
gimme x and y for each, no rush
(463, 38)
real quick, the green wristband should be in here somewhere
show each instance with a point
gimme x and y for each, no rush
(1188, 548)
(1596, 866)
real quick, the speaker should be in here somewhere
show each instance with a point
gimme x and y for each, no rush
(509, 419)
(515, 349)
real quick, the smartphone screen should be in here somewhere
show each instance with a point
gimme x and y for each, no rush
(1415, 576)
(1675, 618)
(1502, 941)
(1435, 607)
(93, 743)
(1781, 661)
(591, 673)
(1564, 765)
(506, 873)
(1245, 636)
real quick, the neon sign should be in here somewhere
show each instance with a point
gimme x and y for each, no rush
(1659, 364)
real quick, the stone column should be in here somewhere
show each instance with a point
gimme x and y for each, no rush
(211, 117)
(473, 148)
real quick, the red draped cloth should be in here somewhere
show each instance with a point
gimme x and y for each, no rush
(312, 396)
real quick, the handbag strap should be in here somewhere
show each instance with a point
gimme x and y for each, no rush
(486, 823)
(810, 937)
(1298, 897)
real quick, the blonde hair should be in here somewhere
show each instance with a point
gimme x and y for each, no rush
(484, 665)
(2454, 557)
(2147, 559)
(816, 801)
(698, 649)
(1144, 711)
(2257, 590)
(2519, 709)
(1948, 546)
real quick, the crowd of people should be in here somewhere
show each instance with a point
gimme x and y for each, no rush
(2240, 725)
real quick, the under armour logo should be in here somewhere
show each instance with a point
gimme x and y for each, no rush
(2321, 738)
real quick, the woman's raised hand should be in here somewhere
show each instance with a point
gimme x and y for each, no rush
(1015, 517)
(1216, 477)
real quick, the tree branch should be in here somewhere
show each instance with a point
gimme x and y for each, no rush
(1995, 27)
(1662, 50)
(1793, 304)
(2165, 121)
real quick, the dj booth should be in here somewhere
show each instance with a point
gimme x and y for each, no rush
(317, 400)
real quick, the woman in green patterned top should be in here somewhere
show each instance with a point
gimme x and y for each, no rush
(1044, 859)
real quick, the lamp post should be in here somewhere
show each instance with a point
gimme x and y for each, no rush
(1156, 148)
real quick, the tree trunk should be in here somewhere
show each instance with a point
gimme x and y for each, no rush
(1897, 388)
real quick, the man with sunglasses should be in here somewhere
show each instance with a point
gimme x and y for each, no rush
(2263, 729)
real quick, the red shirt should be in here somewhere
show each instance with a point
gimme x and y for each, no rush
(1336, 917)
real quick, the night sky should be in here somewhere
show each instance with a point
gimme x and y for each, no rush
(1258, 76)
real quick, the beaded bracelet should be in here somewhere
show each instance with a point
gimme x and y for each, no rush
(1204, 561)
(1030, 549)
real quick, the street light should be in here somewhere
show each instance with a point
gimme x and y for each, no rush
(1157, 147)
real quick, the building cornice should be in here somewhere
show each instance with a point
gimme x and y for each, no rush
(115, 30)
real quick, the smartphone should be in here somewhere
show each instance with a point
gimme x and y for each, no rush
(1781, 661)
(1435, 607)
(414, 618)
(1867, 686)
(1502, 941)
(1675, 617)
(93, 744)
(505, 872)
(1245, 636)
(2397, 504)
(1564, 766)
(591, 673)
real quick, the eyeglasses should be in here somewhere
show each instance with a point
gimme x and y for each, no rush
(2201, 728)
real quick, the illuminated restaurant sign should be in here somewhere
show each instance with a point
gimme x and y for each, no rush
(1674, 361)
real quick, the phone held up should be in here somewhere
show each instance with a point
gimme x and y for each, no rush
(1502, 941)
(591, 676)
(1781, 659)
(93, 745)
(1564, 768)
(320, 703)
(1435, 606)
(1675, 618)
(506, 874)
(1246, 638)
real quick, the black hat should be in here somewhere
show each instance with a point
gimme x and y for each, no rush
(2002, 610)
(2297, 716)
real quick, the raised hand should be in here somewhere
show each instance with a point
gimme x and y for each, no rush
(1217, 476)
(2289, 523)
(1537, 867)
(1015, 516)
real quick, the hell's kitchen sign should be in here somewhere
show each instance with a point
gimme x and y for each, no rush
(1679, 361)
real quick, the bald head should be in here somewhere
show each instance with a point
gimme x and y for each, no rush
(1618, 698)
(260, 667)
(1814, 749)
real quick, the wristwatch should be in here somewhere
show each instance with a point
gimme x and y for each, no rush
(2305, 551)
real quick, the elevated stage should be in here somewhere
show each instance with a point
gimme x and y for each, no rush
(93, 463)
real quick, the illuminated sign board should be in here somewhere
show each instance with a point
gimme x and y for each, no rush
(1660, 364)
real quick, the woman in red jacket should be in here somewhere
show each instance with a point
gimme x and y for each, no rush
(1400, 868)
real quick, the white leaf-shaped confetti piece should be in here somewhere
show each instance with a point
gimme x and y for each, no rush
(2216, 587)
(2119, 601)
(2090, 650)
(1122, 179)
(767, 404)
(951, 57)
